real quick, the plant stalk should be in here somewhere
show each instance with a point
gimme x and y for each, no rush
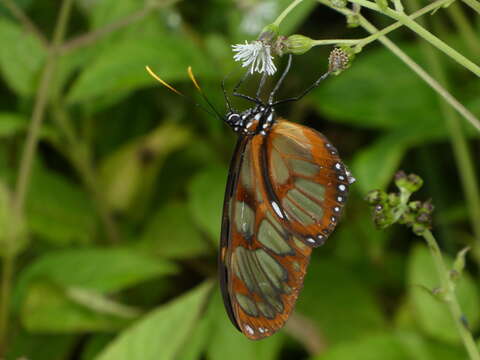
(285, 12)
(462, 110)
(419, 30)
(26, 161)
(451, 298)
(459, 143)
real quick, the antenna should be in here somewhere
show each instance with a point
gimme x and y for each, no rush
(192, 77)
(171, 88)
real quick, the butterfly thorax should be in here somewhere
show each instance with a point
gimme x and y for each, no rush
(256, 120)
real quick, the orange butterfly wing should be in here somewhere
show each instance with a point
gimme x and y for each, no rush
(274, 205)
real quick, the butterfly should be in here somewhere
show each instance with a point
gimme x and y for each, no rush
(285, 193)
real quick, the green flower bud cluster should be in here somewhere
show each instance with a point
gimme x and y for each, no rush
(391, 208)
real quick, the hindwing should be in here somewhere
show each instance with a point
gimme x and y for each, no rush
(262, 264)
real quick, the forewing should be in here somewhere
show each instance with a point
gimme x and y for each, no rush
(307, 180)
(262, 264)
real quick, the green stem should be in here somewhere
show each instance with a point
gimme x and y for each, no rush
(464, 112)
(28, 154)
(459, 144)
(285, 12)
(336, 41)
(451, 298)
(433, 6)
(473, 4)
(435, 41)
(77, 152)
(465, 28)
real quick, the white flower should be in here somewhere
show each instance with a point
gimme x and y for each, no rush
(256, 56)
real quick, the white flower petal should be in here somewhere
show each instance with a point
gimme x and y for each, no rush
(256, 56)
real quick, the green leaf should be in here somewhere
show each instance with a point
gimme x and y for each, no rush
(13, 236)
(97, 269)
(25, 345)
(58, 210)
(12, 124)
(171, 233)
(379, 92)
(106, 12)
(206, 192)
(373, 347)
(162, 333)
(48, 309)
(21, 58)
(395, 345)
(226, 342)
(432, 315)
(128, 174)
(374, 166)
(327, 296)
(120, 67)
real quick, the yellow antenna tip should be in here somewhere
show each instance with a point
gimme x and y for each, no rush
(192, 77)
(164, 83)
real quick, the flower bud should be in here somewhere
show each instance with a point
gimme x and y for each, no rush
(338, 60)
(298, 44)
(410, 183)
(376, 197)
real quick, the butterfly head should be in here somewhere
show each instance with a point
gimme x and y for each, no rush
(258, 119)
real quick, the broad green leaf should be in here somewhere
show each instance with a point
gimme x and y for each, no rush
(48, 309)
(378, 91)
(373, 347)
(171, 233)
(432, 314)
(11, 124)
(120, 68)
(105, 12)
(95, 345)
(394, 345)
(226, 342)
(206, 192)
(161, 334)
(21, 58)
(100, 269)
(101, 304)
(198, 340)
(374, 166)
(58, 210)
(327, 296)
(128, 175)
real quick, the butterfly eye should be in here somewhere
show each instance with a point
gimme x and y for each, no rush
(233, 119)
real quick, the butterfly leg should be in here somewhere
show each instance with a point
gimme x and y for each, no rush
(310, 88)
(280, 81)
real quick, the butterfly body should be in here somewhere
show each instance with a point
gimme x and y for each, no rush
(285, 193)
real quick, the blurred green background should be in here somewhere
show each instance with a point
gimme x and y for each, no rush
(117, 257)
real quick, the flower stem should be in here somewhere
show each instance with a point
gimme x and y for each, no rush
(459, 143)
(419, 30)
(28, 154)
(473, 4)
(285, 12)
(464, 112)
(77, 152)
(465, 28)
(451, 298)
(435, 5)
(336, 41)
